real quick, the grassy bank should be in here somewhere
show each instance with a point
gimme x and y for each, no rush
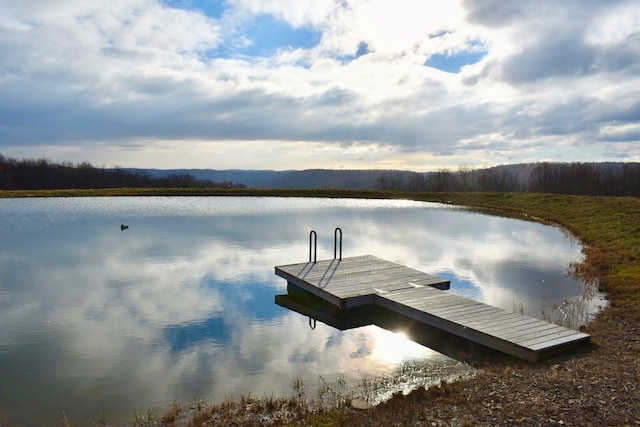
(593, 387)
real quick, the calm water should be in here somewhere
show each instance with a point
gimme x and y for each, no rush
(181, 305)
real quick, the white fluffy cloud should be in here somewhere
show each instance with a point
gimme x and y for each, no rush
(409, 84)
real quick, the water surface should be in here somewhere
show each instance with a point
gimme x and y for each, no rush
(181, 305)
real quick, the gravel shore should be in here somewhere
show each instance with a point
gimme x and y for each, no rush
(597, 385)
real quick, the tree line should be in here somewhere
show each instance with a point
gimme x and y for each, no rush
(589, 179)
(42, 174)
(445, 180)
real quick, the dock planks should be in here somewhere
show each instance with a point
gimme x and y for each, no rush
(358, 282)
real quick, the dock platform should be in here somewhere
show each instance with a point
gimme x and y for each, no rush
(367, 282)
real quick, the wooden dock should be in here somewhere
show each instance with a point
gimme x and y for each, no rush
(366, 282)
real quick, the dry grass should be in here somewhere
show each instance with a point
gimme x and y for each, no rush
(173, 415)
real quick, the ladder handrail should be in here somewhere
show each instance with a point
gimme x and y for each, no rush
(315, 248)
(335, 242)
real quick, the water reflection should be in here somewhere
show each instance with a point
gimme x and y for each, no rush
(180, 305)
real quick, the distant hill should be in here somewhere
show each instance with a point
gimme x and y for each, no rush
(250, 178)
(327, 179)
(357, 179)
(603, 178)
(311, 178)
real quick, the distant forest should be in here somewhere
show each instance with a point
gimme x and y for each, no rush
(589, 179)
(42, 174)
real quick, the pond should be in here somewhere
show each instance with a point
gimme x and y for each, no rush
(180, 306)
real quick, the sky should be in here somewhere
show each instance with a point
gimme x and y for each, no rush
(416, 85)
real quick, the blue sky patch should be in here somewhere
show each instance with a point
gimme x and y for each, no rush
(453, 63)
(211, 8)
(361, 50)
(267, 35)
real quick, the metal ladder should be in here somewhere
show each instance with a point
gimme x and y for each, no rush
(313, 244)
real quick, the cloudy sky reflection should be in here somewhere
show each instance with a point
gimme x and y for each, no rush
(181, 305)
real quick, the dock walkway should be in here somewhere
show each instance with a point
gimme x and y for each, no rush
(358, 282)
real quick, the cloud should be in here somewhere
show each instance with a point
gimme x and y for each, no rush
(142, 76)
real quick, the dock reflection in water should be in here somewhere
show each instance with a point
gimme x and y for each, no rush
(407, 329)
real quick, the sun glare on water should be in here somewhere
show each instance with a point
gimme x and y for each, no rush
(396, 347)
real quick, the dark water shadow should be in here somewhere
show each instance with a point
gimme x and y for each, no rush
(455, 347)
